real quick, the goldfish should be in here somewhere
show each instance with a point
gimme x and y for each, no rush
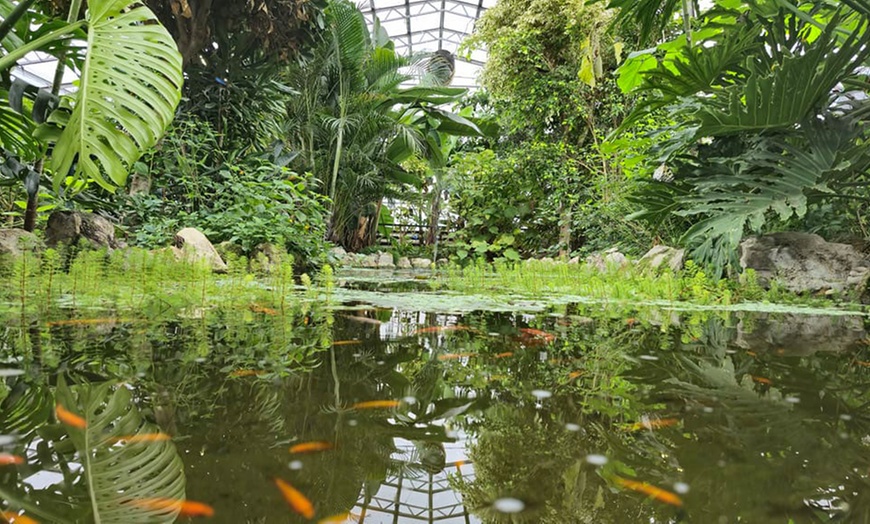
(652, 424)
(295, 499)
(648, 489)
(505, 354)
(376, 404)
(187, 508)
(549, 337)
(246, 372)
(346, 342)
(69, 418)
(309, 447)
(7, 459)
(144, 437)
(256, 308)
(761, 380)
(454, 356)
(15, 518)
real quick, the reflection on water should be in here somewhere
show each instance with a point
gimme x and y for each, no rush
(582, 414)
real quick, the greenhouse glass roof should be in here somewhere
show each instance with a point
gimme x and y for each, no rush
(432, 25)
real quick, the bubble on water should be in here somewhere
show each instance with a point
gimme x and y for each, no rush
(295, 465)
(596, 460)
(352, 422)
(410, 400)
(541, 394)
(509, 505)
(572, 427)
(648, 357)
(681, 487)
(791, 399)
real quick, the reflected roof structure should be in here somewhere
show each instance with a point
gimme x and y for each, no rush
(432, 25)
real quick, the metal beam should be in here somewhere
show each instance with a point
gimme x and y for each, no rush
(408, 23)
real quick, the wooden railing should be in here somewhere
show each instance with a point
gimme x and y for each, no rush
(413, 234)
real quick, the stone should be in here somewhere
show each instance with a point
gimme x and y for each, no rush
(663, 256)
(70, 227)
(805, 263)
(385, 260)
(575, 260)
(370, 260)
(800, 335)
(337, 256)
(442, 262)
(421, 263)
(611, 258)
(404, 263)
(14, 242)
(195, 246)
(266, 257)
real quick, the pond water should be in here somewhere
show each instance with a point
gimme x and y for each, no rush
(574, 413)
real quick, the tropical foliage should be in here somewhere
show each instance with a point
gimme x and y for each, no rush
(769, 117)
(354, 121)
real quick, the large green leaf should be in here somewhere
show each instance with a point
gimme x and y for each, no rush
(770, 176)
(786, 95)
(129, 88)
(117, 474)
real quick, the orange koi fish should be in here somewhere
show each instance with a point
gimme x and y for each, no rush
(454, 356)
(648, 489)
(15, 518)
(247, 372)
(69, 418)
(346, 342)
(549, 337)
(652, 424)
(144, 437)
(310, 447)
(761, 380)
(295, 499)
(257, 308)
(7, 459)
(187, 508)
(376, 404)
(506, 354)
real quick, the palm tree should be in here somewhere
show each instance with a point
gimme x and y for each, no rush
(354, 122)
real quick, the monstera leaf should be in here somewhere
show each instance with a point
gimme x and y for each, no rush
(120, 473)
(130, 86)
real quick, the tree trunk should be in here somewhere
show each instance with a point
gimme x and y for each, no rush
(565, 232)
